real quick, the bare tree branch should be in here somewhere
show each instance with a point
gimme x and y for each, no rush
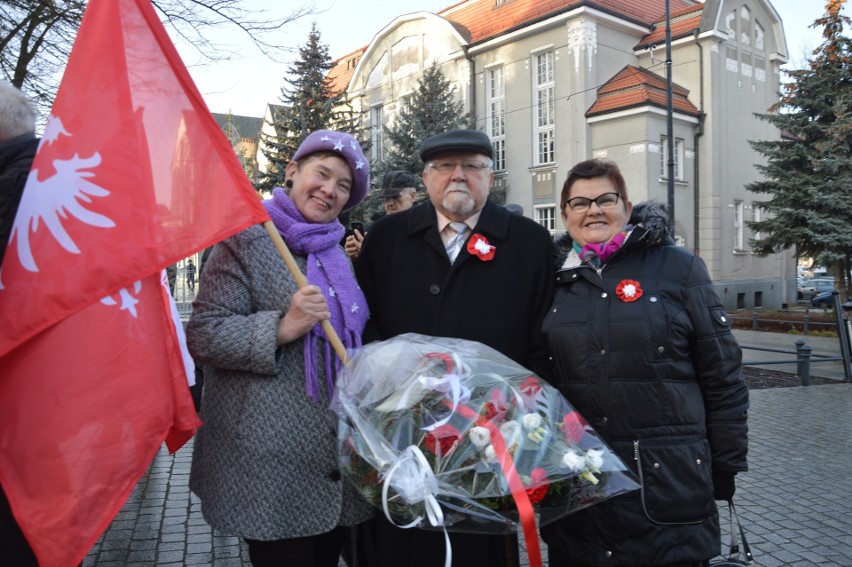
(36, 35)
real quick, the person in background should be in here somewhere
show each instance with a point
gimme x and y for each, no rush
(514, 208)
(399, 191)
(643, 349)
(190, 274)
(265, 461)
(421, 274)
(171, 276)
(18, 144)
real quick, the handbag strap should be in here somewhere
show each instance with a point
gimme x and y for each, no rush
(734, 549)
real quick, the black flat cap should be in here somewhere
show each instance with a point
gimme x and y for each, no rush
(395, 181)
(457, 141)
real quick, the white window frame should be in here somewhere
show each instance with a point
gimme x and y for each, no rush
(545, 215)
(544, 109)
(678, 158)
(496, 119)
(739, 210)
(757, 216)
(377, 133)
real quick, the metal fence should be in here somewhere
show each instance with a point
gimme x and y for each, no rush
(184, 293)
(804, 356)
(806, 323)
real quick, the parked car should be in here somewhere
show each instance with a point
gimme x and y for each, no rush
(814, 287)
(824, 300)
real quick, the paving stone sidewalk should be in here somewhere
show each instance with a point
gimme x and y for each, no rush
(794, 502)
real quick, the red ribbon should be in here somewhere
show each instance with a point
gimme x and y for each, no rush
(519, 491)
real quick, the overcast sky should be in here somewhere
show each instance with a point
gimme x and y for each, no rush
(244, 86)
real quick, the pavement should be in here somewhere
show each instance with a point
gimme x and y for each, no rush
(794, 502)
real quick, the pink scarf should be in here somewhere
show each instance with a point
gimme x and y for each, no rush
(596, 254)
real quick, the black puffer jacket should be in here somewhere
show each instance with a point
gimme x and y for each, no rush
(660, 379)
(16, 158)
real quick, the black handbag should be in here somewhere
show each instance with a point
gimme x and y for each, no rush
(736, 557)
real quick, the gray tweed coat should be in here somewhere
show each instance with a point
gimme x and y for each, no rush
(264, 463)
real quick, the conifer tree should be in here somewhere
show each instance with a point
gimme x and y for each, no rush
(308, 103)
(433, 108)
(808, 174)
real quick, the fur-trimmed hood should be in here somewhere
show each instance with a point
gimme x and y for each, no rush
(649, 220)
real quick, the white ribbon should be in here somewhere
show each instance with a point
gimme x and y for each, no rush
(415, 482)
(451, 385)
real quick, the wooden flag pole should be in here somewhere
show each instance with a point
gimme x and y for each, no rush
(302, 281)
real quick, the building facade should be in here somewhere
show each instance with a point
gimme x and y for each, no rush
(243, 132)
(555, 82)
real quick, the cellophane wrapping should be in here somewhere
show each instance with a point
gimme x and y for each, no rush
(417, 421)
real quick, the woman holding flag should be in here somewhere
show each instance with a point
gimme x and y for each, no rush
(265, 461)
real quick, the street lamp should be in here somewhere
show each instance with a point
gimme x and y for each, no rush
(669, 122)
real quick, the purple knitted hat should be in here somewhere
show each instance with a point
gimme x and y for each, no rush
(350, 150)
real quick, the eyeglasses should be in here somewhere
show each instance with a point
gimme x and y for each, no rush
(447, 167)
(605, 201)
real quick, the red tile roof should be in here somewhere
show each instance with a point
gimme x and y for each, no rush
(484, 20)
(633, 87)
(343, 69)
(682, 23)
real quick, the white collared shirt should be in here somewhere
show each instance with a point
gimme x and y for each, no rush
(446, 231)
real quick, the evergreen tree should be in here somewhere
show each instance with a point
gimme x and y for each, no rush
(433, 109)
(308, 103)
(808, 174)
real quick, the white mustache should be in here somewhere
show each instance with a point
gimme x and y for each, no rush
(459, 186)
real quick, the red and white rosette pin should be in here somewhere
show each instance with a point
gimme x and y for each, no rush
(479, 246)
(628, 290)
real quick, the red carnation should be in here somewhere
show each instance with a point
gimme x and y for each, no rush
(539, 485)
(531, 386)
(495, 409)
(443, 438)
(574, 426)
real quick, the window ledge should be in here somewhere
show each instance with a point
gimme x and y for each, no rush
(682, 182)
(542, 167)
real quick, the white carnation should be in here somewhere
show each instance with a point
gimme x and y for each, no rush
(532, 421)
(490, 455)
(480, 436)
(573, 462)
(595, 457)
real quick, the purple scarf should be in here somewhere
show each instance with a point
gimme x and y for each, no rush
(597, 253)
(330, 270)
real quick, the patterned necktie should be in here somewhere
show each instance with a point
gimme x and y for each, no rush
(454, 246)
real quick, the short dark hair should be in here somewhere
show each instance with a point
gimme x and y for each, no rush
(590, 169)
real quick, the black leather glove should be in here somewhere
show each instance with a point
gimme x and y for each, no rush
(723, 485)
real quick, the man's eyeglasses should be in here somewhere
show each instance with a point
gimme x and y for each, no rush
(605, 201)
(468, 167)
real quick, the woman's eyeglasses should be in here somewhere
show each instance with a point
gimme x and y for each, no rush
(605, 201)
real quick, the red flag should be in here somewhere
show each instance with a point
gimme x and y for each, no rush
(132, 174)
(85, 405)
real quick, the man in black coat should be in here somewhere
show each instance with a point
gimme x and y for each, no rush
(496, 291)
(18, 145)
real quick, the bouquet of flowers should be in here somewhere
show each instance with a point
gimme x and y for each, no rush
(453, 432)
